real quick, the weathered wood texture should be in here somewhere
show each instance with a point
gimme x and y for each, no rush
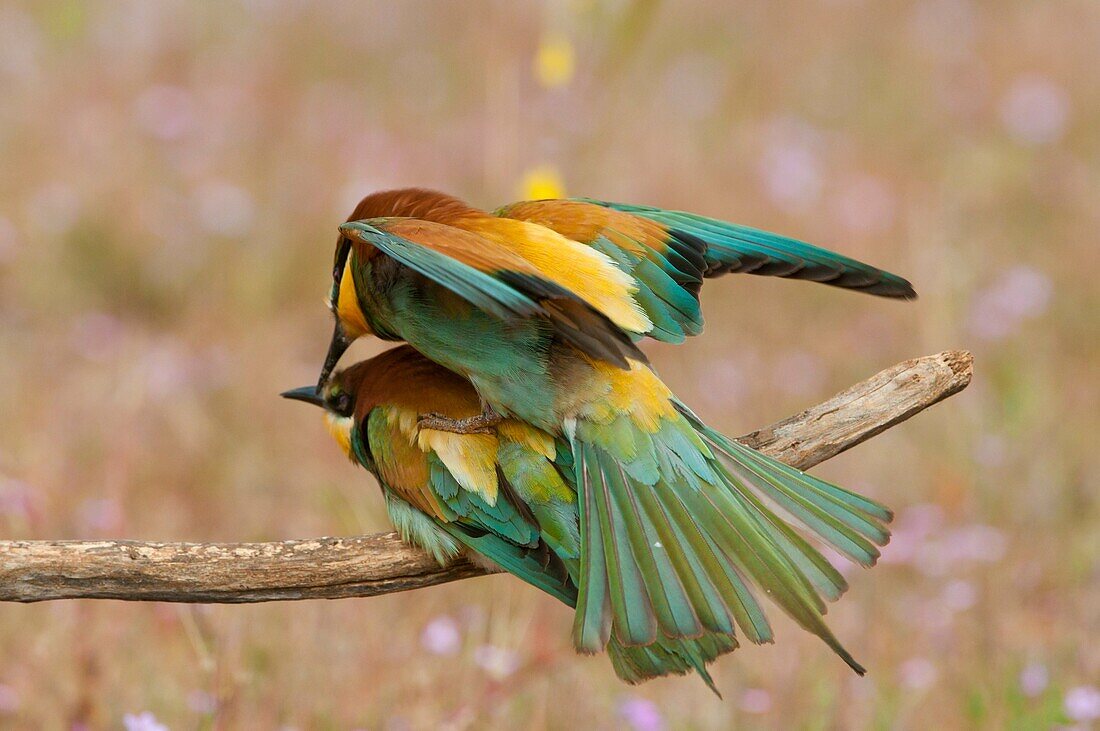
(333, 568)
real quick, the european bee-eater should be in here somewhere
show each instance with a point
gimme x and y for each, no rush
(662, 554)
(640, 267)
(544, 327)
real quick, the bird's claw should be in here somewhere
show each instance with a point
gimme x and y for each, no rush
(481, 424)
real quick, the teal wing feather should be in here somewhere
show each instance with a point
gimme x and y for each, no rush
(480, 289)
(507, 294)
(502, 519)
(731, 247)
(668, 295)
(503, 532)
(539, 569)
(538, 484)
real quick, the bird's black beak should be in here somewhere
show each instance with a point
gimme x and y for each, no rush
(308, 394)
(340, 343)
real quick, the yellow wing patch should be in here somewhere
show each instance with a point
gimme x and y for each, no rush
(470, 458)
(590, 275)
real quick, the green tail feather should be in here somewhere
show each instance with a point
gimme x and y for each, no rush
(671, 605)
(634, 664)
(680, 550)
(852, 524)
(669, 657)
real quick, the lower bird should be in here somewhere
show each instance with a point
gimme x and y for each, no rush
(660, 531)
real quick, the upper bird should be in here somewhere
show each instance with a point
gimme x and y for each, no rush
(543, 327)
(638, 266)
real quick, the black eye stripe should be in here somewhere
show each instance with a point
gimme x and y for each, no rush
(340, 403)
(343, 405)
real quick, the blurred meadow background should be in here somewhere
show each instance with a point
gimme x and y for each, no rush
(171, 178)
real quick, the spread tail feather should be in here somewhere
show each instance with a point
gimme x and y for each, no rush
(636, 665)
(682, 539)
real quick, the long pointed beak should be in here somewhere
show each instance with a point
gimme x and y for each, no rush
(336, 347)
(305, 393)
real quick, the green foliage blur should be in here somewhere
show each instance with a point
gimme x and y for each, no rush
(171, 179)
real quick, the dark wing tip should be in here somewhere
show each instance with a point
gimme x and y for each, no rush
(893, 287)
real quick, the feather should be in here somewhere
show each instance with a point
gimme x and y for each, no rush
(592, 621)
(496, 281)
(665, 278)
(706, 500)
(850, 523)
(731, 247)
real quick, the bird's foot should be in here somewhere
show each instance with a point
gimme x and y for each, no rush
(484, 423)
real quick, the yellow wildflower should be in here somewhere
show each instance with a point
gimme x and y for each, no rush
(542, 182)
(554, 61)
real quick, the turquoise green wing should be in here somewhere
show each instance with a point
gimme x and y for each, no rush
(669, 296)
(480, 289)
(731, 247)
(506, 293)
(506, 532)
(667, 270)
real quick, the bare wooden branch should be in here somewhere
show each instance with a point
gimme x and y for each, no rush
(864, 410)
(333, 568)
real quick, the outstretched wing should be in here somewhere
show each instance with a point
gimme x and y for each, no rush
(732, 247)
(495, 280)
(667, 268)
(670, 252)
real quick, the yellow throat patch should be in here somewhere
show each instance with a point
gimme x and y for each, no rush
(340, 429)
(347, 304)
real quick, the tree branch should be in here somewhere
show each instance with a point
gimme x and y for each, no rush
(332, 568)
